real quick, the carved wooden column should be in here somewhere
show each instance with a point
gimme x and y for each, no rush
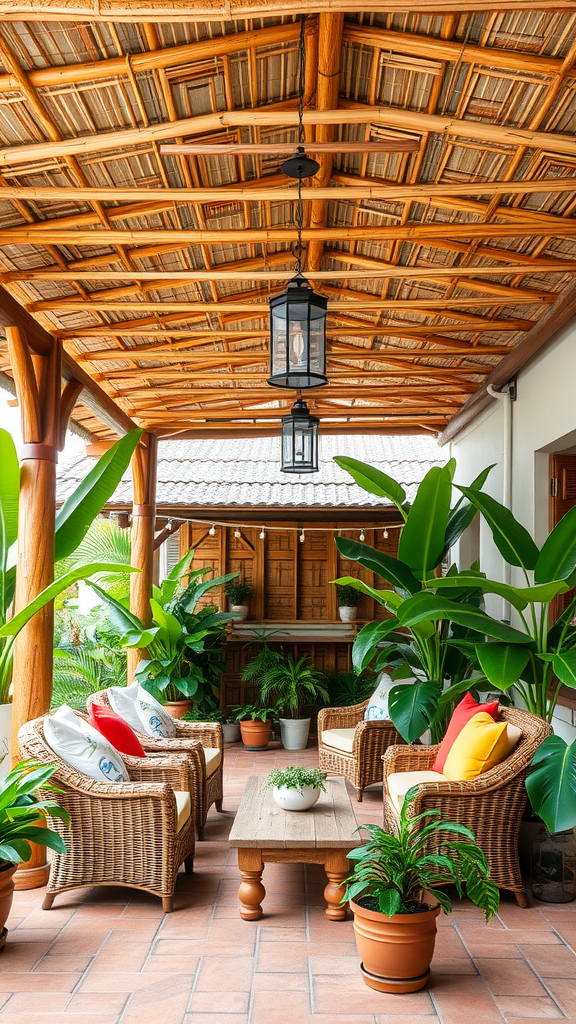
(44, 411)
(143, 524)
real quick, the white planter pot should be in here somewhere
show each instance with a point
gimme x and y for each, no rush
(231, 731)
(348, 613)
(240, 611)
(294, 733)
(296, 799)
(5, 739)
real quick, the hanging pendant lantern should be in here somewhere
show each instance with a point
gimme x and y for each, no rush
(300, 440)
(298, 337)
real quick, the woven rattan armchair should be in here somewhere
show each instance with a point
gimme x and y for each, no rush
(363, 765)
(119, 833)
(491, 805)
(191, 738)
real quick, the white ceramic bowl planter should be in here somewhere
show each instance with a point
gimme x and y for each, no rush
(291, 799)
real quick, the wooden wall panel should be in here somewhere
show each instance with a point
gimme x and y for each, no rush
(312, 597)
(279, 576)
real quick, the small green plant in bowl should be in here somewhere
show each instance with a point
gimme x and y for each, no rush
(347, 596)
(395, 897)
(296, 788)
(239, 592)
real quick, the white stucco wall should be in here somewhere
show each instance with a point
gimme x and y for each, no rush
(543, 422)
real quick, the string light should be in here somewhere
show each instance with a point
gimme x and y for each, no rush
(362, 537)
(212, 530)
(237, 533)
(302, 537)
(169, 525)
(385, 534)
(238, 527)
(262, 533)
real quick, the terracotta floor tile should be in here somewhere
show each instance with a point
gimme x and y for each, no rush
(349, 994)
(278, 983)
(219, 1002)
(564, 991)
(551, 961)
(21, 956)
(132, 982)
(232, 973)
(172, 964)
(96, 1003)
(120, 957)
(334, 964)
(216, 1018)
(462, 999)
(159, 1003)
(66, 964)
(525, 1006)
(40, 1017)
(290, 957)
(37, 982)
(51, 1002)
(269, 1009)
(509, 977)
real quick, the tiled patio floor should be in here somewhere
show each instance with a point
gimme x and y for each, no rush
(110, 956)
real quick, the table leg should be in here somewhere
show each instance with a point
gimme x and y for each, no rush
(337, 869)
(251, 891)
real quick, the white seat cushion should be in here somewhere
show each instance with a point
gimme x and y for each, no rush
(399, 783)
(183, 807)
(339, 739)
(213, 758)
(83, 747)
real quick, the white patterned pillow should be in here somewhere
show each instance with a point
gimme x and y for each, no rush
(141, 711)
(83, 747)
(378, 709)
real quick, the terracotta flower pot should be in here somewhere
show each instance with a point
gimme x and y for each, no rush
(255, 733)
(6, 896)
(177, 708)
(395, 951)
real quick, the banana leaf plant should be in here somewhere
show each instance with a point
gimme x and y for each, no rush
(433, 649)
(184, 642)
(72, 523)
(543, 657)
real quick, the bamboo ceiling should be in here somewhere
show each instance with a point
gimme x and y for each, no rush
(155, 270)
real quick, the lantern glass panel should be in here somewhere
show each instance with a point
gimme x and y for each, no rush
(298, 344)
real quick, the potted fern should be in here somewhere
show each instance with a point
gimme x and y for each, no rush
(348, 599)
(290, 684)
(239, 592)
(394, 895)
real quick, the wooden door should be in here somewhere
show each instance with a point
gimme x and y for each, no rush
(562, 499)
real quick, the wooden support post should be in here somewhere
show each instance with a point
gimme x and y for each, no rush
(44, 412)
(143, 523)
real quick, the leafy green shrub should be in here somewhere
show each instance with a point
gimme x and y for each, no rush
(296, 778)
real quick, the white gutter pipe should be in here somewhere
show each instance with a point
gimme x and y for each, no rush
(504, 398)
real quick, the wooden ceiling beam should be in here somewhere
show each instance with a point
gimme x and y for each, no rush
(256, 191)
(414, 232)
(391, 117)
(183, 355)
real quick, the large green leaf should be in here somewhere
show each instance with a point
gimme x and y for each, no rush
(432, 606)
(120, 618)
(9, 492)
(421, 542)
(502, 664)
(82, 507)
(387, 598)
(373, 480)
(412, 708)
(511, 538)
(391, 569)
(519, 597)
(79, 572)
(563, 666)
(557, 559)
(551, 785)
(367, 640)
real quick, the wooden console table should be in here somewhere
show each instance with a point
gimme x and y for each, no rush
(263, 833)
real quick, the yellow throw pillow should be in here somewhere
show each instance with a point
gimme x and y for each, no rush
(481, 744)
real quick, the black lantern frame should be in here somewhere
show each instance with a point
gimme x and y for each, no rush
(298, 337)
(300, 440)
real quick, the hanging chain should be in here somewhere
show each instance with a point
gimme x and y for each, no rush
(301, 82)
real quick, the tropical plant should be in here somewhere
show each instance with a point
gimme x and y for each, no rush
(296, 778)
(243, 712)
(183, 642)
(72, 523)
(22, 812)
(433, 651)
(540, 657)
(348, 688)
(238, 591)
(264, 659)
(291, 684)
(347, 596)
(392, 872)
(107, 542)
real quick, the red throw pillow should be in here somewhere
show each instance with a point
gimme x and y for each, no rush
(116, 731)
(463, 712)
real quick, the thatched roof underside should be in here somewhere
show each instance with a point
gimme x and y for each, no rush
(161, 296)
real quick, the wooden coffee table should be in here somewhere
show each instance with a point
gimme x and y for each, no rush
(263, 833)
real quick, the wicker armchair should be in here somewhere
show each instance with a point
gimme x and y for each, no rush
(120, 833)
(191, 738)
(363, 765)
(491, 805)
